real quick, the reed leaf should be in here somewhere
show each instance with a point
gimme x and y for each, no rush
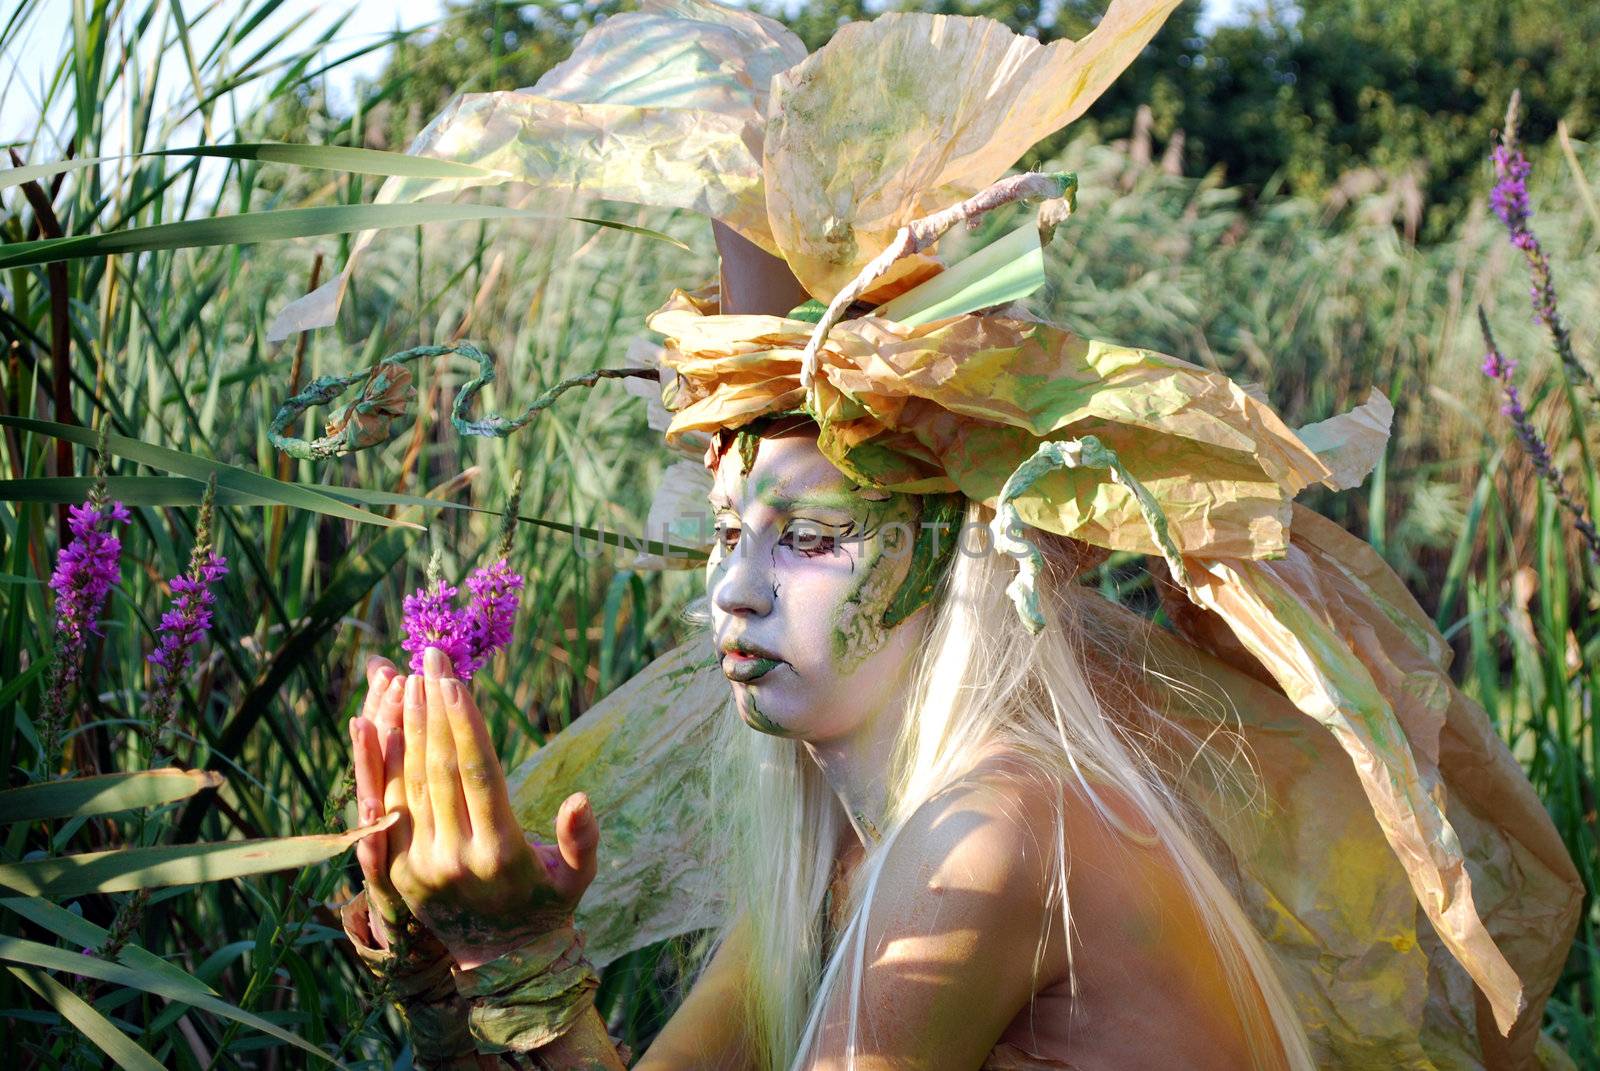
(274, 225)
(124, 870)
(327, 157)
(105, 794)
(33, 954)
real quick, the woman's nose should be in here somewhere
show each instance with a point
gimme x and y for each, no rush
(742, 582)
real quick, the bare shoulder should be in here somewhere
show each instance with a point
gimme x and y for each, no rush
(1002, 840)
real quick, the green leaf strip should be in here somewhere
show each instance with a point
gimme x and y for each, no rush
(104, 794)
(199, 468)
(327, 157)
(33, 954)
(125, 870)
(273, 225)
(90, 1023)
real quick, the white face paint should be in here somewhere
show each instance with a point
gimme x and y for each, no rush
(803, 568)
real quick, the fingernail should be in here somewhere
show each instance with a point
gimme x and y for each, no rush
(398, 681)
(452, 690)
(413, 689)
(433, 662)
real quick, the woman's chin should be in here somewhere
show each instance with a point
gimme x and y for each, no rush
(756, 709)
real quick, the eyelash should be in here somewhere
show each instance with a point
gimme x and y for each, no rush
(820, 545)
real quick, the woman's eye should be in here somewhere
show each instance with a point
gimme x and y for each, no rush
(809, 540)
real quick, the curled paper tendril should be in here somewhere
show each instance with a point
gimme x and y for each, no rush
(370, 420)
(1006, 527)
(1058, 189)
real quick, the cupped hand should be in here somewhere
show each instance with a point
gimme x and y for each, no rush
(457, 857)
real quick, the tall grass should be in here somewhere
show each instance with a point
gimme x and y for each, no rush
(165, 347)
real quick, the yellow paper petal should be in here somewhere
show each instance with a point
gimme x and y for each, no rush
(1327, 658)
(958, 403)
(907, 114)
(1350, 444)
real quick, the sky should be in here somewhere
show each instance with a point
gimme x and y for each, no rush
(25, 68)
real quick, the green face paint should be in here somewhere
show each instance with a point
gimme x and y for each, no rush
(760, 722)
(814, 574)
(938, 528)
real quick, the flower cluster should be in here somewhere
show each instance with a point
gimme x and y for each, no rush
(84, 573)
(468, 635)
(184, 623)
(432, 619)
(1509, 199)
(1500, 368)
(190, 615)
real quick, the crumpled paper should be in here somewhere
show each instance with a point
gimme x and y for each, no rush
(907, 114)
(687, 104)
(959, 403)
(661, 106)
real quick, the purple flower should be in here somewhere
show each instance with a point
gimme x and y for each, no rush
(84, 573)
(496, 591)
(1498, 367)
(432, 620)
(190, 616)
(1509, 199)
(469, 635)
(183, 625)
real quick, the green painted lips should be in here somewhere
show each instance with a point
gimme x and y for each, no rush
(740, 667)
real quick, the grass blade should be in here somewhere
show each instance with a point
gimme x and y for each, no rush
(325, 157)
(90, 1023)
(126, 870)
(105, 794)
(129, 490)
(79, 931)
(273, 225)
(33, 954)
(199, 468)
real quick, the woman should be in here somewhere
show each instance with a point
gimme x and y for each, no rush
(955, 799)
(972, 814)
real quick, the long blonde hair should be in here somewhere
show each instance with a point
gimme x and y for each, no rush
(981, 681)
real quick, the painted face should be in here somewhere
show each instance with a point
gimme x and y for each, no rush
(803, 568)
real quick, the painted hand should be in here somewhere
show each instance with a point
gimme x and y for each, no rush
(458, 857)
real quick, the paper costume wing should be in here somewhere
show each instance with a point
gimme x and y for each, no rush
(661, 106)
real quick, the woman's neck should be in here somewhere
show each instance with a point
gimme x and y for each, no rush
(857, 768)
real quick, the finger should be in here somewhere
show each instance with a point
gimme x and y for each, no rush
(578, 842)
(392, 743)
(369, 789)
(374, 860)
(416, 762)
(380, 671)
(451, 826)
(483, 782)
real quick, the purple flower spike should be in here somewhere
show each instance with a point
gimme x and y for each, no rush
(84, 573)
(1498, 367)
(432, 620)
(1509, 199)
(190, 617)
(183, 626)
(496, 591)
